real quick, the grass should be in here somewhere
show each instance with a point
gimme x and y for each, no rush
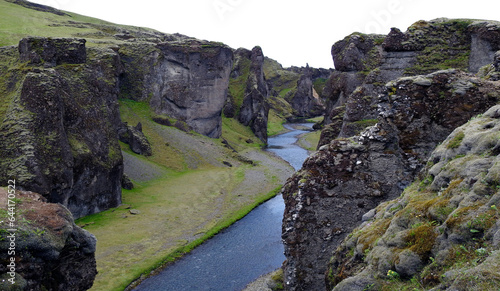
(309, 141)
(177, 214)
(275, 123)
(17, 22)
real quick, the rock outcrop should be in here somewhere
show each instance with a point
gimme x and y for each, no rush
(52, 51)
(186, 79)
(446, 219)
(248, 99)
(133, 136)
(58, 135)
(306, 102)
(254, 109)
(380, 133)
(50, 252)
(365, 63)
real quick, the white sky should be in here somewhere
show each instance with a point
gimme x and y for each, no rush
(293, 32)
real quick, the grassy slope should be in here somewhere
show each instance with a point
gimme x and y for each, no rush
(17, 22)
(192, 195)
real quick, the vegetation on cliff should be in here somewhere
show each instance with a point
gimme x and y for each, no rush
(97, 81)
(382, 124)
(444, 230)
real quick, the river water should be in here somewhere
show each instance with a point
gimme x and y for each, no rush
(249, 248)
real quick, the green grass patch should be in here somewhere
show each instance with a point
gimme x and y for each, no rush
(275, 123)
(177, 214)
(315, 119)
(238, 135)
(309, 141)
(456, 141)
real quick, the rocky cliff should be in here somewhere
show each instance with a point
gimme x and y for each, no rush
(365, 63)
(443, 232)
(58, 131)
(248, 99)
(405, 119)
(185, 79)
(49, 252)
(306, 102)
(61, 123)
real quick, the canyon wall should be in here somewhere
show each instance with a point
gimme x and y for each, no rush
(393, 99)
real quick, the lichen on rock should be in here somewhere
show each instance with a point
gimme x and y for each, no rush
(444, 230)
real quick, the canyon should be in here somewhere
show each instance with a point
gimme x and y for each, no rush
(402, 191)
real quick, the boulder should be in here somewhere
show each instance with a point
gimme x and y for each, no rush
(133, 136)
(51, 252)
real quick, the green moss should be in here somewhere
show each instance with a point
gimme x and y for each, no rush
(440, 58)
(237, 86)
(319, 84)
(368, 237)
(456, 140)
(421, 239)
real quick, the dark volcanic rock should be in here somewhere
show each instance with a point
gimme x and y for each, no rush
(306, 102)
(365, 63)
(254, 109)
(51, 252)
(133, 136)
(346, 178)
(357, 52)
(443, 230)
(59, 138)
(186, 80)
(52, 51)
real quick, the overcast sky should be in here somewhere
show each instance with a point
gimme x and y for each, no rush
(293, 32)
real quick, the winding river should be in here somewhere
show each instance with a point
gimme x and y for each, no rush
(249, 248)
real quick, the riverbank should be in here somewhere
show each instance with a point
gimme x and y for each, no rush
(177, 212)
(187, 191)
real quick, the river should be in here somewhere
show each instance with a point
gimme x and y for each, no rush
(249, 248)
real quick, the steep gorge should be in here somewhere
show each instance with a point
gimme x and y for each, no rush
(79, 108)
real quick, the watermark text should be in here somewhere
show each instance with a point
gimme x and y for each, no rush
(11, 237)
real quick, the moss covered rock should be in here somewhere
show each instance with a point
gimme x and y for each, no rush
(443, 231)
(51, 252)
(58, 136)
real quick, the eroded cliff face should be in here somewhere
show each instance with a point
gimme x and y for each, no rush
(248, 99)
(306, 102)
(380, 134)
(51, 252)
(58, 134)
(60, 127)
(365, 63)
(185, 79)
(444, 230)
